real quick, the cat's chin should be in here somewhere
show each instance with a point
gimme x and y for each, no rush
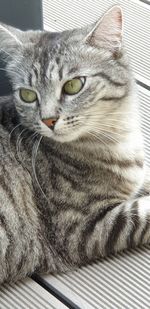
(62, 138)
(65, 138)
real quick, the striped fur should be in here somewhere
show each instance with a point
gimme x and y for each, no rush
(80, 192)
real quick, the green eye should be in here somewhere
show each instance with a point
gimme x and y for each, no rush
(73, 86)
(27, 95)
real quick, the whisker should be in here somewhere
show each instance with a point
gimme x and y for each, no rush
(1, 69)
(14, 129)
(90, 139)
(101, 126)
(18, 144)
(113, 127)
(118, 121)
(103, 131)
(96, 118)
(110, 137)
(107, 136)
(9, 139)
(97, 137)
(5, 52)
(10, 71)
(113, 113)
(34, 155)
(35, 134)
(32, 136)
(99, 129)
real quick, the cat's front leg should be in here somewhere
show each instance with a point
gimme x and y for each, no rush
(4, 247)
(117, 228)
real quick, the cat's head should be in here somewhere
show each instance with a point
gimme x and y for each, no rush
(67, 85)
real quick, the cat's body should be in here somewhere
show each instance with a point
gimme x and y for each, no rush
(63, 204)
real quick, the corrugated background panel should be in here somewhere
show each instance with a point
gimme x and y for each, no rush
(118, 282)
(144, 96)
(60, 15)
(27, 295)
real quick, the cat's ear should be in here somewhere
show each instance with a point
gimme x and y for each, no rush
(13, 39)
(108, 30)
(10, 38)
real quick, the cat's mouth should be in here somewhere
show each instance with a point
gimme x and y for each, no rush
(62, 136)
(61, 129)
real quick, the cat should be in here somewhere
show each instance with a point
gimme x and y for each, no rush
(74, 186)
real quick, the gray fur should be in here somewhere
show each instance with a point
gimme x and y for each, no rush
(71, 195)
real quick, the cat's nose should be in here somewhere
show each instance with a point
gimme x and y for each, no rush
(50, 122)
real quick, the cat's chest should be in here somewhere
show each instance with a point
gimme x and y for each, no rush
(64, 184)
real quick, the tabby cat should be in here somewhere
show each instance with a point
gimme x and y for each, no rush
(73, 182)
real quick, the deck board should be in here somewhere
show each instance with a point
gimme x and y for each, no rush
(117, 282)
(27, 294)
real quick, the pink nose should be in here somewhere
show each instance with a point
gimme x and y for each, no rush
(50, 122)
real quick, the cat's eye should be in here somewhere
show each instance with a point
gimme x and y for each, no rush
(27, 95)
(73, 86)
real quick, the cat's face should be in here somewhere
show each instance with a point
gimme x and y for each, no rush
(67, 85)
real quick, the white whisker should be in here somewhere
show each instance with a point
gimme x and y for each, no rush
(32, 136)
(113, 113)
(12, 72)
(34, 155)
(18, 144)
(9, 55)
(102, 133)
(9, 139)
(97, 137)
(99, 129)
(110, 126)
(96, 117)
(5, 52)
